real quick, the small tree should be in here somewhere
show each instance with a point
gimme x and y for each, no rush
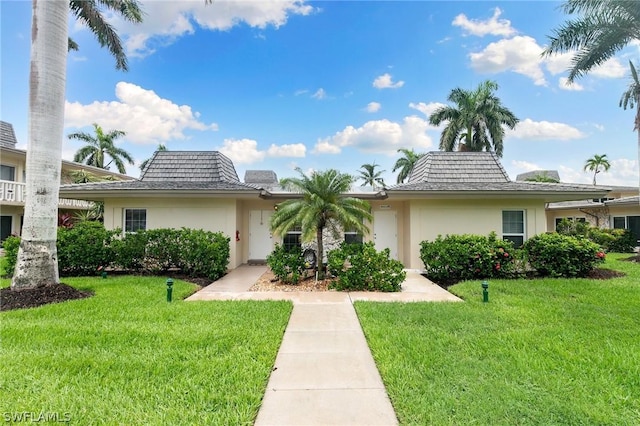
(323, 204)
(369, 176)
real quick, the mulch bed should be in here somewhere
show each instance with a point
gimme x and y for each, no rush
(31, 298)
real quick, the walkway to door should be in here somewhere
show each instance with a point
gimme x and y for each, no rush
(324, 373)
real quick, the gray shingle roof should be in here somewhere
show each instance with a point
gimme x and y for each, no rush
(268, 177)
(189, 166)
(7, 135)
(635, 200)
(457, 167)
(498, 186)
(167, 185)
(553, 174)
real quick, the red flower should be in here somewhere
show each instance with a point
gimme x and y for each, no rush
(506, 254)
(497, 267)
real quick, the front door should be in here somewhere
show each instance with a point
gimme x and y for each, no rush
(260, 244)
(385, 231)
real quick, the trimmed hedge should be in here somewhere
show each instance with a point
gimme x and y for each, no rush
(88, 248)
(287, 265)
(455, 258)
(557, 255)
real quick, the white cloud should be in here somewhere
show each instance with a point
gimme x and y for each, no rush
(373, 107)
(564, 84)
(525, 166)
(558, 62)
(165, 21)
(544, 130)
(426, 109)
(610, 69)
(142, 114)
(385, 81)
(245, 151)
(378, 136)
(520, 54)
(493, 25)
(300, 92)
(320, 94)
(287, 150)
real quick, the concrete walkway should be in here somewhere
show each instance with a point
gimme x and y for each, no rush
(324, 372)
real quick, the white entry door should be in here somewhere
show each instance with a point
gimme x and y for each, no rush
(385, 231)
(260, 244)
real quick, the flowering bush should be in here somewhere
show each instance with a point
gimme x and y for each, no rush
(558, 255)
(462, 257)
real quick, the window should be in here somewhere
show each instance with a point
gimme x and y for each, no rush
(619, 222)
(7, 173)
(513, 226)
(292, 238)
(351, 236)
(135, 220)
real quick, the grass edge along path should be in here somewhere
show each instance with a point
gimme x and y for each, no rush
(547, 351)
(126, 356)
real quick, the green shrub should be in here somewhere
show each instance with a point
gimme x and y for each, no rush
(456, 258)
(204, 254)
(613, 240)
(558, 255)
(11, 245)
(83, 249)
(129, 251)
(287, 265)
(163, 250)
(361, 267)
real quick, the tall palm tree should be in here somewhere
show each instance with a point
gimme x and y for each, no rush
(595, 163)
(322, 205)
(37, 263)
(476, 120)
(99, 146)
(143, 165)
(405, 163)
(602, 28)
(370, 177)
(631, 98)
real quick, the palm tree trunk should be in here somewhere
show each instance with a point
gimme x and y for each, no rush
(320, 261)
(37, 263)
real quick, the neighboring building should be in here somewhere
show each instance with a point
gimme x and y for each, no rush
(447, 193)
(618, 209)
(13, 178)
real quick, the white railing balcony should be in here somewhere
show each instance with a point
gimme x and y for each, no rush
(13, 192)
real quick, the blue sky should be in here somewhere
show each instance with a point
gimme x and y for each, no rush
(317, 85)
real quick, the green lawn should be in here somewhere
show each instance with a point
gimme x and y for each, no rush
(126, 356)
(541, 352)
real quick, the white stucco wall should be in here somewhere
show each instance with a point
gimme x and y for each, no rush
(209, 214)
(430, 218)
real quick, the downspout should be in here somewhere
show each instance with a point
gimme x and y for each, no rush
(597, 218)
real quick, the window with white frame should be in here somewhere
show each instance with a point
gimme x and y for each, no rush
(7, 173)
(352, 236)
(135, 220)
(513, 226)
(292, 238)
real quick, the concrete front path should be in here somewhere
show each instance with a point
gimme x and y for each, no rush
(324, 372)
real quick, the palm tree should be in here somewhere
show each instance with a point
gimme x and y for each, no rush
(37, 263)
(476, 120)
(321, 206)
(88, 13)
(602, 29)
(631, 98)
(143, 165)
(405, 164)
(595, 163)
(100, 145)
(369, 176)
